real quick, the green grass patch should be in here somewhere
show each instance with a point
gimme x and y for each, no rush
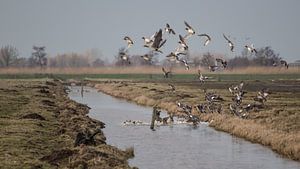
(215, 76)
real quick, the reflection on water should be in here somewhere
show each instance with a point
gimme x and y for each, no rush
(178, 146)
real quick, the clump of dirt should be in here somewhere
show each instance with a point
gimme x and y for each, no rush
(33, 116)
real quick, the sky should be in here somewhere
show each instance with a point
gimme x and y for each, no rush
(65, 26)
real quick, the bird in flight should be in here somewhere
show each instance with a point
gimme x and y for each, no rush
(223, 62)
(187, 67)
(148, 41)
(182, 42)
(208, 38)
(158, 41)
(169, 30)
(284, 63)
(251, 48)
(166, 73)
(147, 57)
(189, 29)
(129, 41)
(231, 45)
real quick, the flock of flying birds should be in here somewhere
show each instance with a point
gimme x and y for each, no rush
(213, 100)
(157, 41)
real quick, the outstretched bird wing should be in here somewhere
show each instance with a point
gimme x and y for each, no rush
(226, 38)
(187, 25)
(157, 39)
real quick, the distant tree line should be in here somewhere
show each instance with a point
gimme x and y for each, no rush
(264, 57)
(9, 57)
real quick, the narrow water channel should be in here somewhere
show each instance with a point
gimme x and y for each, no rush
(177, 146)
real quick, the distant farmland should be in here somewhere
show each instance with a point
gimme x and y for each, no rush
(152, 73)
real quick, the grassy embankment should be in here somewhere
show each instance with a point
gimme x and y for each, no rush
(276, 126)
(38, 126)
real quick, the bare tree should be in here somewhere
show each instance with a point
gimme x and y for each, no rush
(98, 63)
(207, 60)
(39, 56)
(239, 61)
(8, 56)
(266, 57)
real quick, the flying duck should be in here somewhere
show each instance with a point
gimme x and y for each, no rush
(223, 62)
(172, 87)
(129, 41)
(237, 99)
(173, 57)
(124, 57)
(158, 41)
(148, 41)
(264, 93)
(147, 57)
(239, 87)
(208, 39)
(201, 77)
(213, 68)
(182, 42)
(262, 96)
(284, 63)
(180, 51)
(251, 48)
(166, 73)
(189, 29)
(169, 30)
(231, 45)
(260, 99)
(187, 67)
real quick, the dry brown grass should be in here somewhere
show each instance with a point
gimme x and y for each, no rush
(146, 70)
(276, 126)
(38, 126)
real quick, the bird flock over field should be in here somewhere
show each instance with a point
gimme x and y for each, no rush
(155, 43)
(213, 101)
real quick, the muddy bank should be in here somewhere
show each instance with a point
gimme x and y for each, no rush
(40, 126)
(276, 126)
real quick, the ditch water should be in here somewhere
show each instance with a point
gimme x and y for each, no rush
(177, 146)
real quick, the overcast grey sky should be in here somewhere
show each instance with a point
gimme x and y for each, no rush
(77, 25)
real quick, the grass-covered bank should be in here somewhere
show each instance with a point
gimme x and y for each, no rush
(38, 127)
